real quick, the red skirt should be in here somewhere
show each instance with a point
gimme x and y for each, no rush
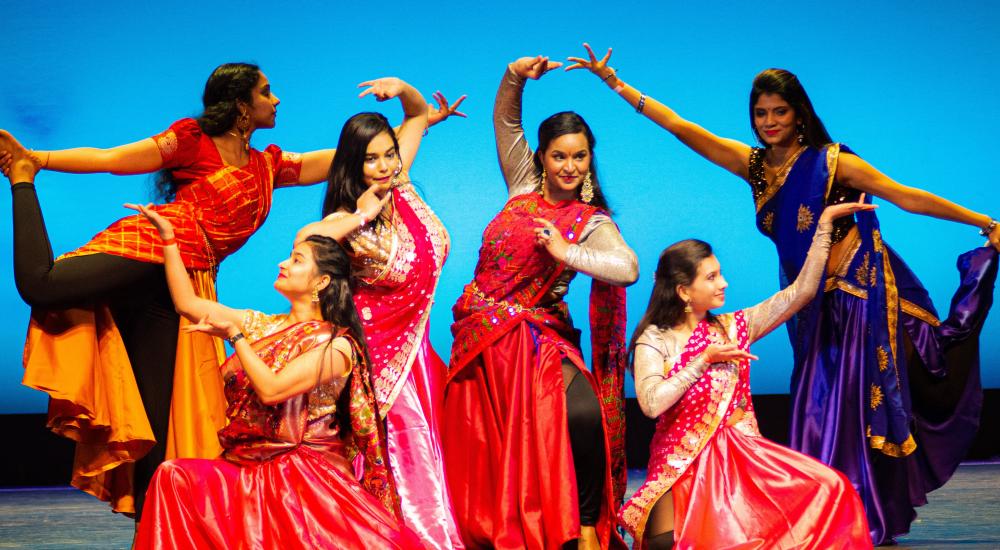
(299, 499)
(746, 492)
(507, 450)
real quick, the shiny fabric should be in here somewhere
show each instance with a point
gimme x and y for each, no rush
(285, 479)
(507, 451)
(868, 345)
(731, 487)
(397, 265)
(76, 355)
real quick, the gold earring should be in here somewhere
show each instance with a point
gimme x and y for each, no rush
(243, 125)
(687, 306)
(315, 295)
(587, 189)
(541, 182)
(395, 176)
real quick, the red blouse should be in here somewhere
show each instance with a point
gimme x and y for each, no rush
(217, 207)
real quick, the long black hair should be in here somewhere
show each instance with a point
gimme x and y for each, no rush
(228, 84)
(678, 265)
(336, 304)
(560, 124)
(786, 85)
(346, 181)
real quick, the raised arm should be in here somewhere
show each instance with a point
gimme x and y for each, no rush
(186, 302)
(855, 172)
(512, 148)
(321, 364)
(730, 154)
(411, 131)
(771, 313)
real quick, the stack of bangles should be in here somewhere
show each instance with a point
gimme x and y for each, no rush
(364, 219)
(620, 87)
(987, 230)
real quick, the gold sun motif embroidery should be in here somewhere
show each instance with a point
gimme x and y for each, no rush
(862, 273)
(876, 397)
(877, 240)
(883, 359)
(871, 276)
(768, 222)
(805, 220)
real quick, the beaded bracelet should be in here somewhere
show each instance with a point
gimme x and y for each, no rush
(986, 231)
(642, 103)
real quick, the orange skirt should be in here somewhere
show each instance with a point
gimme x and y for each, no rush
(77, 356)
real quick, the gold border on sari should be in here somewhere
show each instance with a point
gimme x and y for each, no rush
(913, 310)
(779, 180)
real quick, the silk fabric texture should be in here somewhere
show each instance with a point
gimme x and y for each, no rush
(285, 479)
(876, 372)
(506, 443)
(77, 356)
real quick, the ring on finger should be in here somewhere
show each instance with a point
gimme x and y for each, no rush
(547, 232)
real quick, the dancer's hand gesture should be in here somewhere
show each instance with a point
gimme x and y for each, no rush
(836, 211)
(534, 67)
(443, 110)
(162, 225)
(598, 67)
(382, 88)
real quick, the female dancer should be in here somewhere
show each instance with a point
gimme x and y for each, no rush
(112, 294)
(881, 389)
(531, 438)
(396, 259)
(709, 467)
(300, 408)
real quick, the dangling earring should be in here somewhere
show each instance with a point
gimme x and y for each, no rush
(687, 306)
(541, 183)
(315, 295)
(802, 130)
(587, 189)
(395, 176)
(243, 125)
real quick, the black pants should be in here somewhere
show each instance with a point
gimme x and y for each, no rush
(586, 435)
(138, 297)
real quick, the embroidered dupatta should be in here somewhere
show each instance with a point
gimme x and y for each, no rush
(687, 427)
(395, 304)
(513, 274)
(787, 213)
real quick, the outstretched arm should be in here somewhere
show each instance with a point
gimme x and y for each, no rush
(771, 313)
(140, 157)
(730, 154)
(855, 172)
(186, 302)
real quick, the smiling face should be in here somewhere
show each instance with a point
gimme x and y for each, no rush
(775, 120)
(382, 160)
(708, 289)
(297, 274)
(566, 162)
(264, 104)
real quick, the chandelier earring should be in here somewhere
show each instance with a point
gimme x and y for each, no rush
(801, 128)
(395, 175)
(587, 189)
(687, 306)
(315, 296)
(541, 182)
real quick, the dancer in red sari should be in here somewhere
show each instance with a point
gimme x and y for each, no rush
(533, 441)
(713, 481)
(396, 259)
(300, 410)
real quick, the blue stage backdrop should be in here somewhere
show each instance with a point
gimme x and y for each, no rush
(912, 87)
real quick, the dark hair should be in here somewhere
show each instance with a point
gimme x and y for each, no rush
(787, 85)
(568, 122)
(346, 181)
(228, 84)
(336, 304)
(678, 265)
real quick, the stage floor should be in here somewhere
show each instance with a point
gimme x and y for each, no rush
(964, 514)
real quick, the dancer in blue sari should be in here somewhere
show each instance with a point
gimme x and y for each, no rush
(881, 388)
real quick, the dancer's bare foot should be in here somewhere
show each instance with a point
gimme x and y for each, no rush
(16, 162)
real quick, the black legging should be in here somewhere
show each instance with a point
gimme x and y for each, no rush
(586, 436)
(138, 297)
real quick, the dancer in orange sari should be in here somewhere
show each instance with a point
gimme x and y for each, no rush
(103, 339)
(533, 441)
(300, 410)
(713, 481)
(396, 258)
